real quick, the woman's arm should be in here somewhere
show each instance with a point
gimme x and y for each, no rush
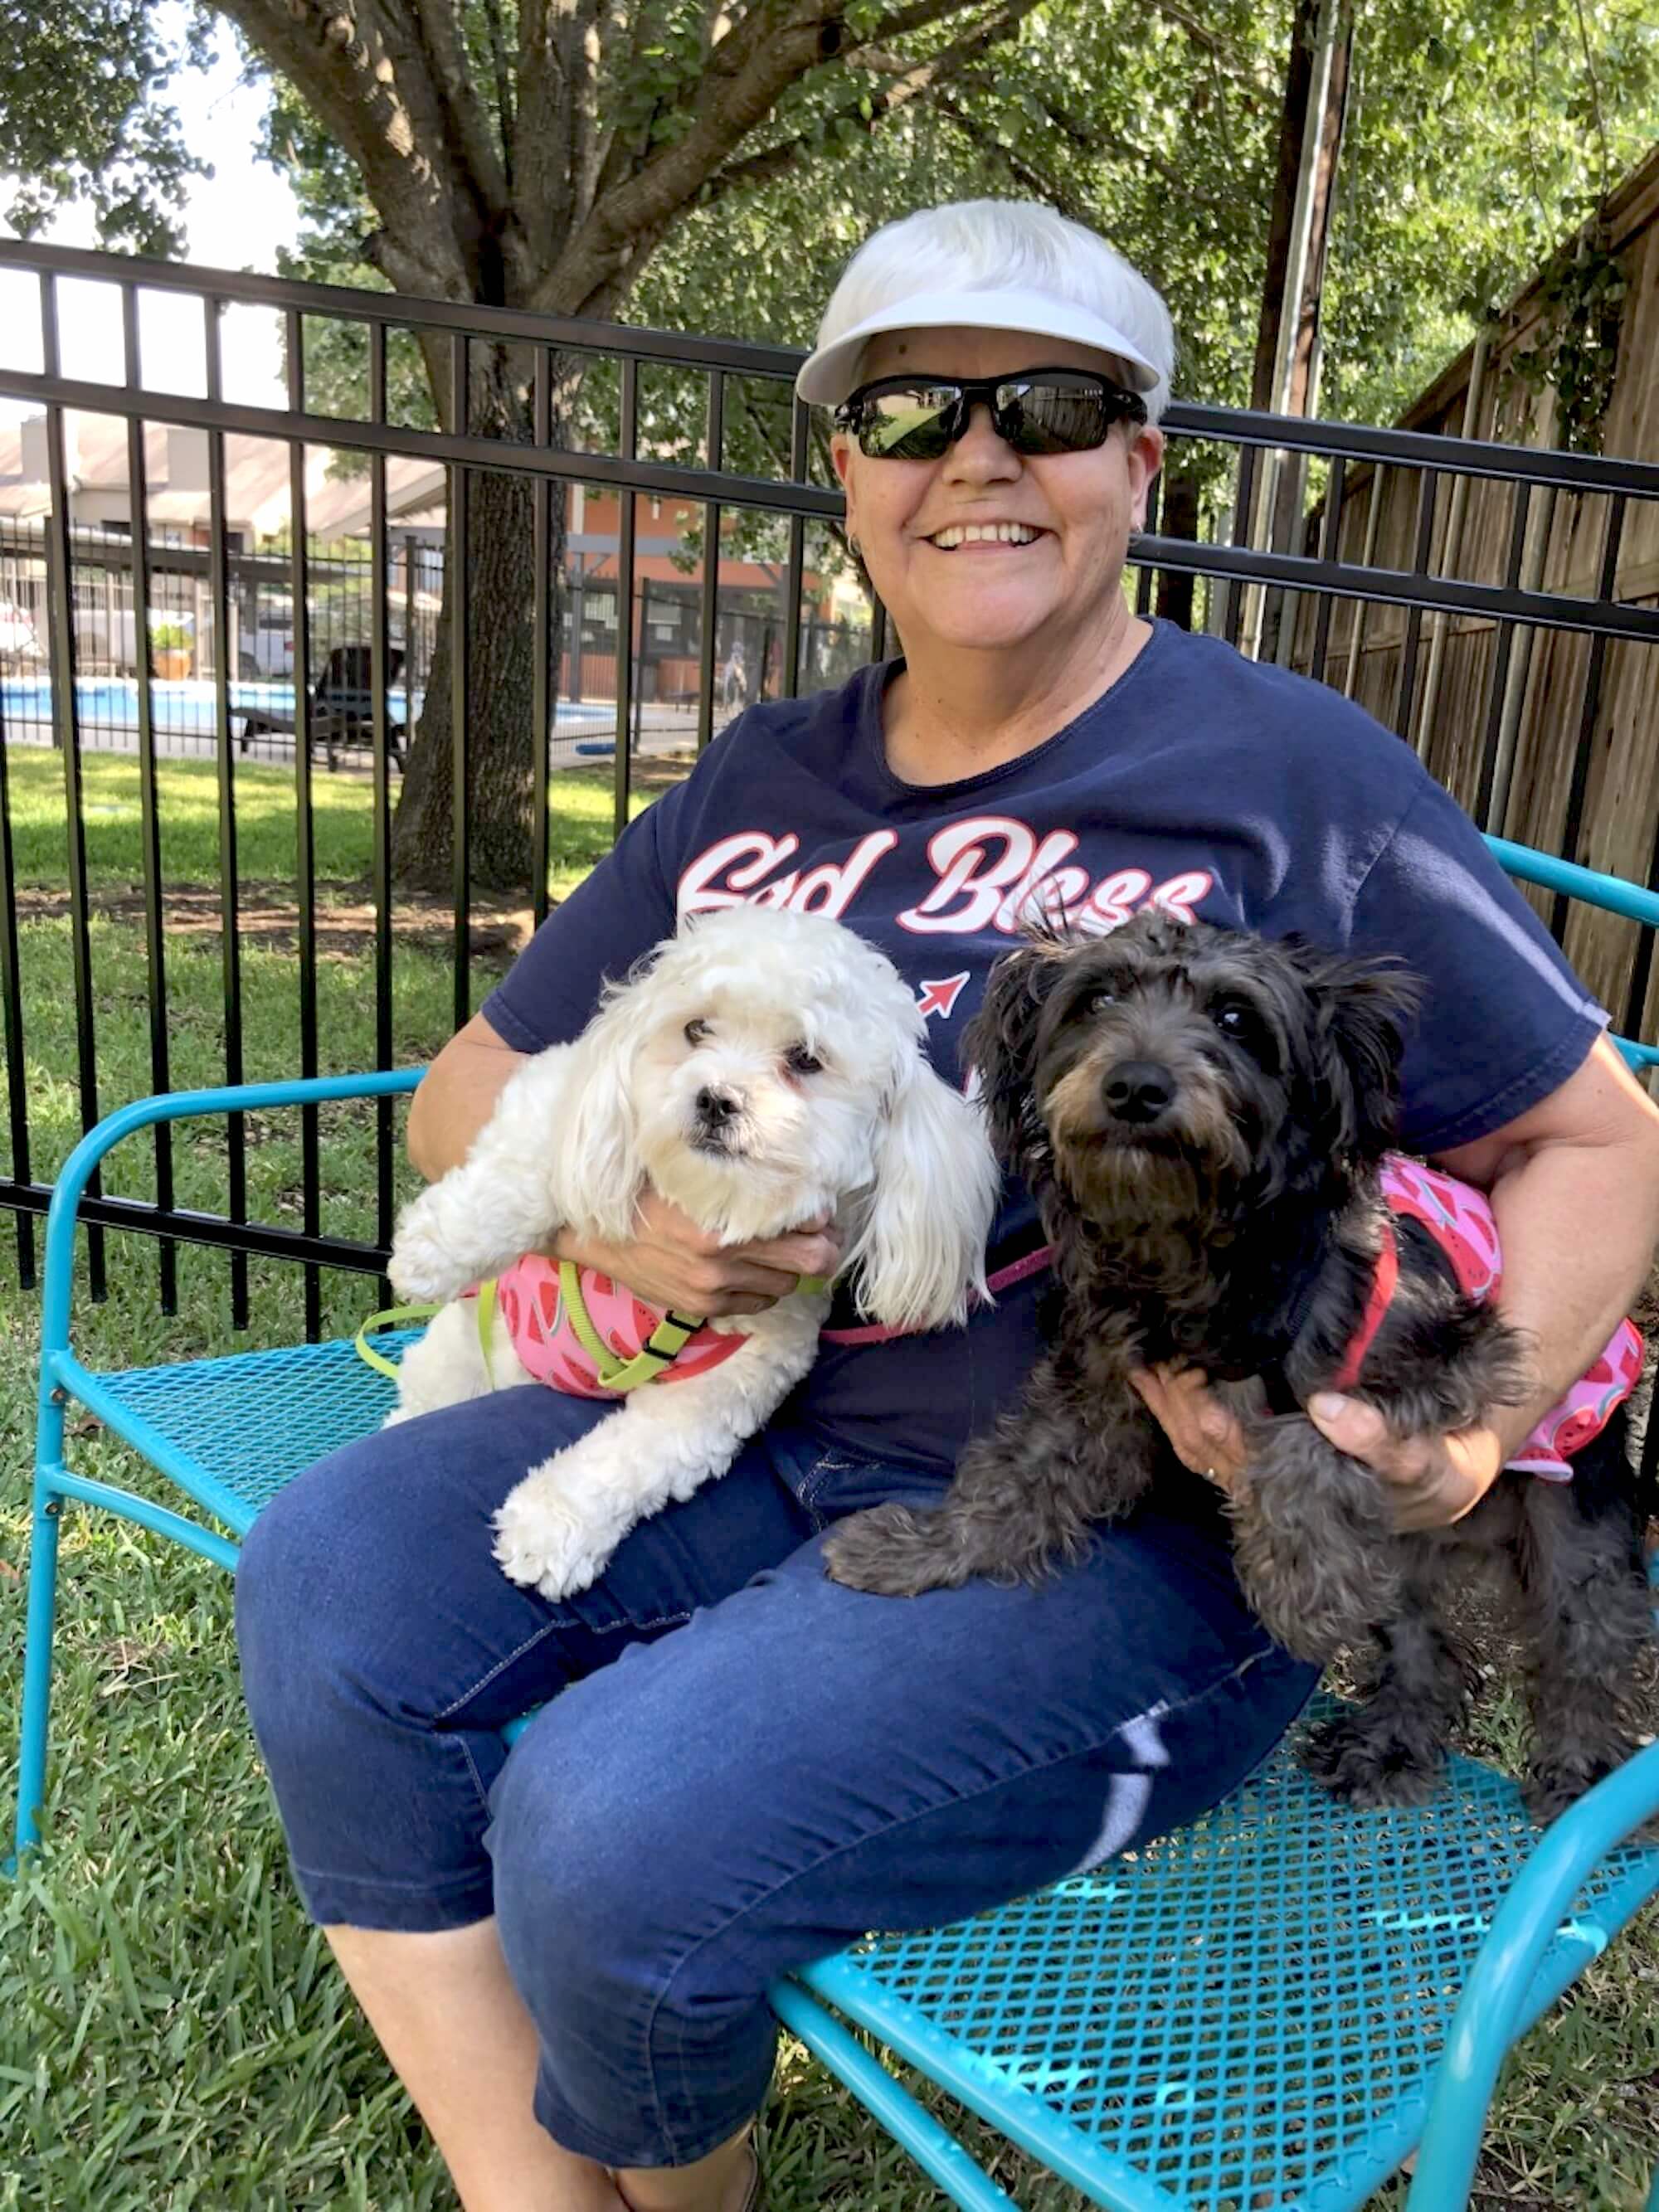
(1574, 1183)
(459, 1095)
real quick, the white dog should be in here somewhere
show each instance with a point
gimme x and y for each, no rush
(765, 1069)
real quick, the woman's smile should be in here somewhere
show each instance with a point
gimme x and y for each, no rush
(985, 537)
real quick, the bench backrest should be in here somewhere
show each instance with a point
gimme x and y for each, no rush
(1610, 892)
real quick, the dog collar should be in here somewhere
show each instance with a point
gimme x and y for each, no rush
(1385, 1279)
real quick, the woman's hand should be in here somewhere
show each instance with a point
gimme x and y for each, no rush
(1203, 1435)
(670, 1261)
(1432, 1480)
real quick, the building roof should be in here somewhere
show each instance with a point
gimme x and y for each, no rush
(257, 472)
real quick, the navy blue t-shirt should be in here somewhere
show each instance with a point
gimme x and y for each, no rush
(1201, 781)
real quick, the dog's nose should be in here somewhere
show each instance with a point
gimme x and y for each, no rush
(1139, 1090)
(715, 1108)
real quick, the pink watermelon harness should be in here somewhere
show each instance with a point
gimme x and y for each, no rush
(582, 1333)
(1459, 1219)
(1460, 1222)
(585, 1335)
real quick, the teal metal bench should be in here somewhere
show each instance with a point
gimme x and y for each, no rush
(1272, 2006)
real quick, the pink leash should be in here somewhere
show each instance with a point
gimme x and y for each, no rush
(878, 1333)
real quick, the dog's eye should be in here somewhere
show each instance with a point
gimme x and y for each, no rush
(1232, 1018)
(1099, 1000)
(799, 1061)
(696, 1031)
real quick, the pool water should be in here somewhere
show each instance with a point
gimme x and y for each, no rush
(190, 707)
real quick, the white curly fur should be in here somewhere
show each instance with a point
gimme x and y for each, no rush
(872, 1138)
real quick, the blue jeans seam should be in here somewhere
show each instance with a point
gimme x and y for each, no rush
(826, 1464)
(561, 1621)
(472, 1769)
(445, 1886)
(500, 1667)
(1076, 1751)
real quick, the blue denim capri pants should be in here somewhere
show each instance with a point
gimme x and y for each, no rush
(740, 1766)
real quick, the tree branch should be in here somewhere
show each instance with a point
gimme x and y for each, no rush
(366, 76)
(903, 20)
(1093, 139)
(777, 42)
(468, 126)
(1202, 35)
(503, 81)
(1596, 98)
(553, 142)
(589, 143)
(625, 154)
(910, 81)
(1025, 173)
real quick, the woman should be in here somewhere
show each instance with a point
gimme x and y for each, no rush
(741, 1765)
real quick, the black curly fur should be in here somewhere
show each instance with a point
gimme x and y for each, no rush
(1202, 1116)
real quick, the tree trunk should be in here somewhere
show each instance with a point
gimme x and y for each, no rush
(1179, 519)
(1309, 144)
(494, 585)
(1292, 128)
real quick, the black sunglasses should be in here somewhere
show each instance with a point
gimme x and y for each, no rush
(1040, 410)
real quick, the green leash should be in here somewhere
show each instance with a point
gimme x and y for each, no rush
(398, 1317)
(668, 1340)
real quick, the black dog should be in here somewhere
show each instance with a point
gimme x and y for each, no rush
(1202, 1116)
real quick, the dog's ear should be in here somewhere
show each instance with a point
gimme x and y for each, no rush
(1000, 1045)
(594, 1168)
(920, 1248)
(1364, 1009)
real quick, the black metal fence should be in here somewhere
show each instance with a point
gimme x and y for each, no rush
(260, 625)
(91, 656)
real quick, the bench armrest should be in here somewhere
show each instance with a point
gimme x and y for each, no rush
(1548, 874)
(172, 1106)
(1491, 2011)
(1611, 893)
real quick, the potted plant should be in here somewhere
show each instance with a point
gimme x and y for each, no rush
(170, 649)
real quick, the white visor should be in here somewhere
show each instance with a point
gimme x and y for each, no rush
(831, 373)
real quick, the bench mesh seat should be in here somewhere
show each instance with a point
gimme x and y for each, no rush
(1246, 2013)
(233, 1431)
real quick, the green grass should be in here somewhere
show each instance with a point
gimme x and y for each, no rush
(187, 807)
(187, 803)
(172, 2033)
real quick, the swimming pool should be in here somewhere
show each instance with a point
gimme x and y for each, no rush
(190, 707)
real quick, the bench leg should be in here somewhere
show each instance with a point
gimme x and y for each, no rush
(37, 1662)
(934, 2149)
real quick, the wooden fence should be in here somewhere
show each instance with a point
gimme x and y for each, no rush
(1545, 735)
